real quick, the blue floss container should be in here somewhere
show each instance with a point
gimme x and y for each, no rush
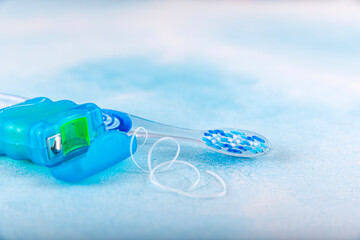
(72, 139)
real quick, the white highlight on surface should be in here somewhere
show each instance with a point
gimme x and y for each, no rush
(153, 170)
(7, 100)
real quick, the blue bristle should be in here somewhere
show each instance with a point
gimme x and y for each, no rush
(229, 135)
(253, 150)
(234, 151)
(227, 145)
(218, 131)
(249, 138)
(238, 133)
(206, 139)
(207, 134)
(258, 139)
(220, 144)
(263, 145)
(237, 151)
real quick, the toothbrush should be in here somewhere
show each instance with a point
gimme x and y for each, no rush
(228, 141)
(77, 141)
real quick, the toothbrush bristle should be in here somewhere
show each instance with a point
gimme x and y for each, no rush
(235, 142)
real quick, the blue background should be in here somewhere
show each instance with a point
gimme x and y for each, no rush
(288, 70)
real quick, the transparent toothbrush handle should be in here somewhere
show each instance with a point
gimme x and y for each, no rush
(159, 130)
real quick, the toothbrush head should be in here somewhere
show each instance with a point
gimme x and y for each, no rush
(236, 142)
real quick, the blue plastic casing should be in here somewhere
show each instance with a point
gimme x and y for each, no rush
(107, 150)
(27, 130)
(26, 127)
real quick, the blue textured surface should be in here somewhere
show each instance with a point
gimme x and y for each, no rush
(289, 71)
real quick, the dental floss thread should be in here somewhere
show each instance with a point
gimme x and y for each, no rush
(152, 170)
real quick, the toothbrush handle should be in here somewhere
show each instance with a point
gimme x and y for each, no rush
(124, 122)
(158, 130)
